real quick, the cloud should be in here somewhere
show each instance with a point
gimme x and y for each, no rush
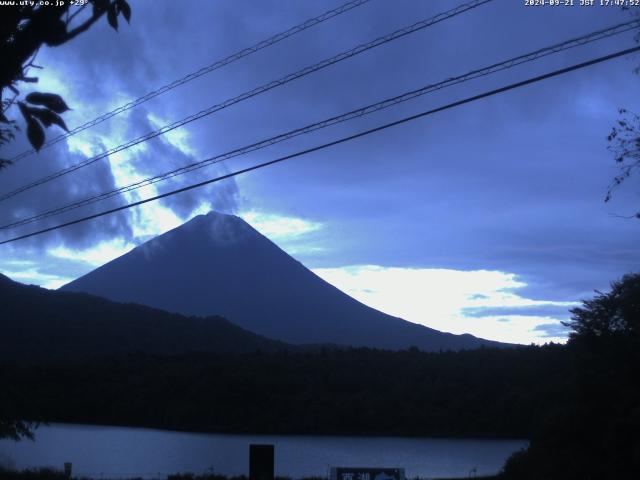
(552, 330)
(36, 268)
(96, 255)
(442, 298)
(34, 277)
(558, 310)
(301, 238)
(279, 227)
(57, 193)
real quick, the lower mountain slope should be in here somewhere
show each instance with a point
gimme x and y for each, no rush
(37, 324)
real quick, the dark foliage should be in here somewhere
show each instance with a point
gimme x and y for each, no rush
(24, 28)
(15, 429)
(624, 143)
(593, 431)
(609, 315)
(476, 393)
(624, 138)
(37, 474)
(50, 474)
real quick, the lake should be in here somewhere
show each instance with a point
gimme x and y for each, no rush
(115, 452)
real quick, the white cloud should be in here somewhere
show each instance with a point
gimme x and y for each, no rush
(83, 147)
(279, 227)
(436, 298)
(33, 276)
(152, 219)
(96, 255)
(179, 138)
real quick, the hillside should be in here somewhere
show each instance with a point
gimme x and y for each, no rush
(38, 323)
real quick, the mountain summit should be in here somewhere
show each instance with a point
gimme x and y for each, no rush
(217, 264)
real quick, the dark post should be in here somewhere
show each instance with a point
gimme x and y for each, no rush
(261, 462)
(67, 469)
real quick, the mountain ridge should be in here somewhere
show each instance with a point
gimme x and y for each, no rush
(42, 324)
(217, 264)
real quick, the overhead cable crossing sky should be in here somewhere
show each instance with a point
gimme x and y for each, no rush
(203, 71)
(389, 102)
(257, 91)
(324, 146)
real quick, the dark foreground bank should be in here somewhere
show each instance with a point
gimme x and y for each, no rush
(49, 474)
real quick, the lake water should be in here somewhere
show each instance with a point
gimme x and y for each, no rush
(116, 452)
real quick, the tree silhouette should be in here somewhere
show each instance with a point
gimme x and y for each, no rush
(616, 313)
(624, 140)
(592, 433)
(23, 30)
(15, 429)
(624, 143)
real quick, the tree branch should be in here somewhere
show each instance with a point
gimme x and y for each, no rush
(76, 13)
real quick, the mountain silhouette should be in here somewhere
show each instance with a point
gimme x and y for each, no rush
(217, 264)
(41, 324)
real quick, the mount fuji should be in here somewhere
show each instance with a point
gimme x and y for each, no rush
(217, 264)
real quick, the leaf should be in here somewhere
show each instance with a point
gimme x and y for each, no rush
(125, 9)
(54, 32)
(99, 6)
(35, 133)
(112, 16)
(48, 118)
(25, 111)
(50, 100)
(3, 118)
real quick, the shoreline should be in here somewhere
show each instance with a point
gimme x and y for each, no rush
(238, 433)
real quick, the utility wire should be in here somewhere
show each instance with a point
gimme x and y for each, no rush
(490, 93)
(203, 71)
(256, 91)
(389, 102)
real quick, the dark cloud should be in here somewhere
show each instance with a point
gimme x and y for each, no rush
(60, 192)
(160, 156)
(512, 183)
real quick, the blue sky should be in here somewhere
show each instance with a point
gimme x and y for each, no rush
(488, 218)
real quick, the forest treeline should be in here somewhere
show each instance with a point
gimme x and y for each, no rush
(475, 393)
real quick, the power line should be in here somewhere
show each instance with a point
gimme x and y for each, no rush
(203, 71)
(458, 103)
(512, 62)
(257, 91)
